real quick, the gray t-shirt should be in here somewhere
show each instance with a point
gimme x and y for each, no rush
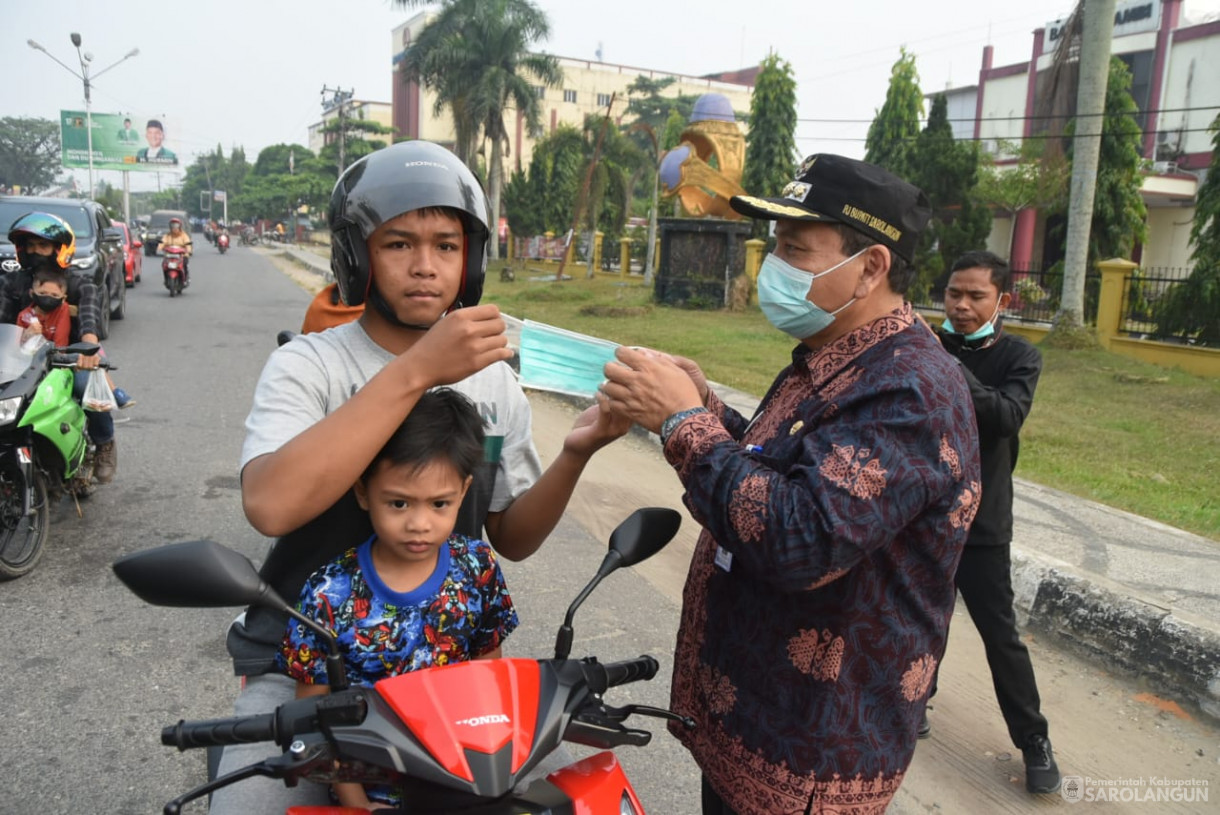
(311, 377)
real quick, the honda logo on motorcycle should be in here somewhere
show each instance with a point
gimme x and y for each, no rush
(475, 721)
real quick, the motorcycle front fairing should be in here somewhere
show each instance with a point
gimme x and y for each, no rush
(45, 398)
(461, 736)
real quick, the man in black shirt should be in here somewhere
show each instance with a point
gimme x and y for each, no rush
(1002, 371)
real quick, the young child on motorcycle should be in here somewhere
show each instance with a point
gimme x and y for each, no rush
(50, 317)
(415, 594)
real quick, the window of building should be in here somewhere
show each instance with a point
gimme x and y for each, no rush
(569, 96)
(603, 99)
(539, 91)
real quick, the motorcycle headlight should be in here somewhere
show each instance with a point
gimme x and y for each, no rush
(9, 408)
(83, 262)
(625, 806)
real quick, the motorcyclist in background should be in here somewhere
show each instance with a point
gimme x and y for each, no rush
(177, 236)
(44, 241)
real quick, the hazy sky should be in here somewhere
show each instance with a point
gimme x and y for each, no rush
(250, 73)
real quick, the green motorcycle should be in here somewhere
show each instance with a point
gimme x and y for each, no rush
(44, 450)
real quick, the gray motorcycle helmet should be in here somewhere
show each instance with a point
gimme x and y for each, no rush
(401, 178)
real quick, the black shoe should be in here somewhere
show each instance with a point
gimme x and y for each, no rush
(925, 728)
(1041, 771)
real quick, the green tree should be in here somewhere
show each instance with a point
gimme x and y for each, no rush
(29, 153)
(354, 134)
(476, 56)
(892, 134)
(770, 143)
(1119, 213)
(1192, 308)
(948, 171)
(1039, 179)
(647, 103)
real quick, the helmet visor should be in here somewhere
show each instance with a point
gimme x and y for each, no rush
(41, 225)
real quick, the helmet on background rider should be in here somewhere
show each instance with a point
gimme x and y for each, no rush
(394, 180)
(48, 227)
(173, 221)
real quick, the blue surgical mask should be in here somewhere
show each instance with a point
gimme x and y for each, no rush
(553, 359)
(984, 331)
(783, 295)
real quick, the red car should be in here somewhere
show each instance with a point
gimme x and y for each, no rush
(133, 258)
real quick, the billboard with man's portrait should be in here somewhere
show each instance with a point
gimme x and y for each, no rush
(120, 142)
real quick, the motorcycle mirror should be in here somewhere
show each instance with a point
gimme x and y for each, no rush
(642, 535)
(204, 574)
(194, 574)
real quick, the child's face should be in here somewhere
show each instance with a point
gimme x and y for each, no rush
(417, 262)
(49, 288)
(413, 512)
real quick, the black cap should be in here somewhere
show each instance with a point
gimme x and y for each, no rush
(865, 197)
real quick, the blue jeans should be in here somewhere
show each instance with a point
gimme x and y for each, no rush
(100, 426)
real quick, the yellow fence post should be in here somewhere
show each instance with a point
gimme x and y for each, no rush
(624, 256)
(508, 248)
(754, 258)
(598, 237)
(1110, 302)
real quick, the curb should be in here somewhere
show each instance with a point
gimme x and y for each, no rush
(1175, 654)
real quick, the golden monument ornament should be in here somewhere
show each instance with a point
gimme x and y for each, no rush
(704, 169)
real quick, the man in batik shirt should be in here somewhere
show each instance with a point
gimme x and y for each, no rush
(819, 594)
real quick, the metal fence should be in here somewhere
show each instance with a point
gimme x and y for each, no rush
(1153, 303)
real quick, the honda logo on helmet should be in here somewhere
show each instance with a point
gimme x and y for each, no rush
(425, 164)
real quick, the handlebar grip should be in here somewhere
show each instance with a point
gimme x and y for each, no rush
(640, 669)
(218, 732)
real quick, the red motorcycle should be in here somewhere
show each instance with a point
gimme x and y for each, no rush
(454, 739)
(222, 242)
(173, 269)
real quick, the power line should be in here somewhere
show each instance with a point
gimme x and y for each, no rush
(1039, 137)
(1026, 118)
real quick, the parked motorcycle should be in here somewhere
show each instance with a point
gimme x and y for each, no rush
(173, 269)
(45, 452)
(456, 738)
(222, 242)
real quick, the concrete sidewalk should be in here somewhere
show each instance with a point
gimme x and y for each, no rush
(1134, 594)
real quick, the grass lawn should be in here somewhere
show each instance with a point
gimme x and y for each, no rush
(1103, 427)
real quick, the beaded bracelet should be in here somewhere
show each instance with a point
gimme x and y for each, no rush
(671, 424)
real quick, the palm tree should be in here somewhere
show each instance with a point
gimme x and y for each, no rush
(475, 55)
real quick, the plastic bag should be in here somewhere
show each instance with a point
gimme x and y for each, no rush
(98, 396)
(32, 343)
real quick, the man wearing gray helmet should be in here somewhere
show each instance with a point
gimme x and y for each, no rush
(409, 226)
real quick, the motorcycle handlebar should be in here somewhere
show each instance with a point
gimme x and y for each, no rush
(218, 732)
(601, 676)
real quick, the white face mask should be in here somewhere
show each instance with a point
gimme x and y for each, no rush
(783, 296)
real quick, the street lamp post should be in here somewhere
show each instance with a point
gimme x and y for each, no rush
(85, 59)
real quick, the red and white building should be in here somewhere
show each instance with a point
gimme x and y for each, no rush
(1175, 66)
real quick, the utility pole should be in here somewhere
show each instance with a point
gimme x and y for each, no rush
(1097, 29)
(339, 99)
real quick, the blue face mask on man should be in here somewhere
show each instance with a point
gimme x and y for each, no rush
(783, 296)
(981, 333)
